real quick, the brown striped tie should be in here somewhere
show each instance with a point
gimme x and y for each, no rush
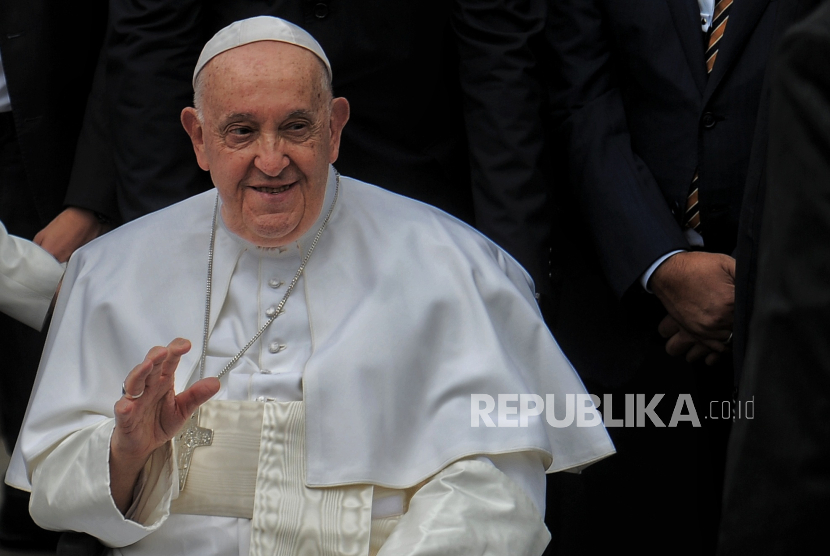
(692, 217)
(716, 30)
(719, 20)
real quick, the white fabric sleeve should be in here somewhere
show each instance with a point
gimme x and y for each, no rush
(71, 489)
(470, 507)
(527, 470)
(650, 270)
(29, 277)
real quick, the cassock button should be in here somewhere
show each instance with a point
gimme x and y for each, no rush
(276, 347)
(274, 283)
(270, 312)
(321, 11)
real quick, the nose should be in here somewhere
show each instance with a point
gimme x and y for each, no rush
(271, 158)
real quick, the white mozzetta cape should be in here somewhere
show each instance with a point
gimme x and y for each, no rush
(411, 312)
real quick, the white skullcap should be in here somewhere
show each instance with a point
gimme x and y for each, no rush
(255, 29)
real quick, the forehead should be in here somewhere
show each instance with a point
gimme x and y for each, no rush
(261, 74)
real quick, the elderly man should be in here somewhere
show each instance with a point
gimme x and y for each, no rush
(342, 334)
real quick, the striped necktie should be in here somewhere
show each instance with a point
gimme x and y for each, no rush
(719, 20)
(716, 30)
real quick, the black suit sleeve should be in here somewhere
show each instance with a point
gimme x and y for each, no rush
(777, 480)
(502, 110)
(630, 221)
(151, 55)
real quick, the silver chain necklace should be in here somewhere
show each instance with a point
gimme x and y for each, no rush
(279, 309)
(191, 435)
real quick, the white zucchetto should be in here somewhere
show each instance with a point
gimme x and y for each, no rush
(255, 29)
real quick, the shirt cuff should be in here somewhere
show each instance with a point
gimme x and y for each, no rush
(650, 270)
(29, 277)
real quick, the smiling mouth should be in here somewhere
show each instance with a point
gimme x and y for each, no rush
(272, 190)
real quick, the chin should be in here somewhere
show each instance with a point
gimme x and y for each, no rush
(272, 234)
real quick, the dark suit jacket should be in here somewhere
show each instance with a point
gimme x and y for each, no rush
(421, 76)
(749, 231)
(49, 66)
(777, 489)
(639, 114)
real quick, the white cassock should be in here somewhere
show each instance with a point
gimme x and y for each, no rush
(29, 277)
(402, 314)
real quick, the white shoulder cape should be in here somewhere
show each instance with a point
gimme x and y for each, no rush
(411, 312)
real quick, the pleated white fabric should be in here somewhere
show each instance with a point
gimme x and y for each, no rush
(255, 469)
(291, 519)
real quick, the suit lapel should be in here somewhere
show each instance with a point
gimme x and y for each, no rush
(686, 16)
(742, 21)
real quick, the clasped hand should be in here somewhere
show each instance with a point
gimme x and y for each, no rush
(150, 414)
(698, 291)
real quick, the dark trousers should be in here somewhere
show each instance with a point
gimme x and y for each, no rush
(661, 492)
(20, 345)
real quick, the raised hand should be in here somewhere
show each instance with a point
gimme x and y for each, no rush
(149, 414)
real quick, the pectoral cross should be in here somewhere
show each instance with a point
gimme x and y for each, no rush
(190, 437)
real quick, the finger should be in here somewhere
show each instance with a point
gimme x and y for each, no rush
(136, 381)
(680, 343)
(713, 345)
(668, 327)
(201, 391)
(175, 350)
(697, 352)
(729, 267)
(165, 364)
(712, 358)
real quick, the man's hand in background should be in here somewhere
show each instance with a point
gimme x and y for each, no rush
(71, 229)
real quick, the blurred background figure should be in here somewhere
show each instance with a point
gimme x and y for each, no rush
(777, 489)
(46, 70)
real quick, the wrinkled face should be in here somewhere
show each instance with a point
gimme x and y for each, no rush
(268, 134)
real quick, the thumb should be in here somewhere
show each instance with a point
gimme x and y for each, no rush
(196, 395)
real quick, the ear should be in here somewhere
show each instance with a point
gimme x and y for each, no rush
(194, 128)
(339, 116)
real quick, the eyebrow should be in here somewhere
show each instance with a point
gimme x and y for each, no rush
(237, 117)
(241, 116)
(300, 114)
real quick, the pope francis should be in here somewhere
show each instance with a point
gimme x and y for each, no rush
(336, 335)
